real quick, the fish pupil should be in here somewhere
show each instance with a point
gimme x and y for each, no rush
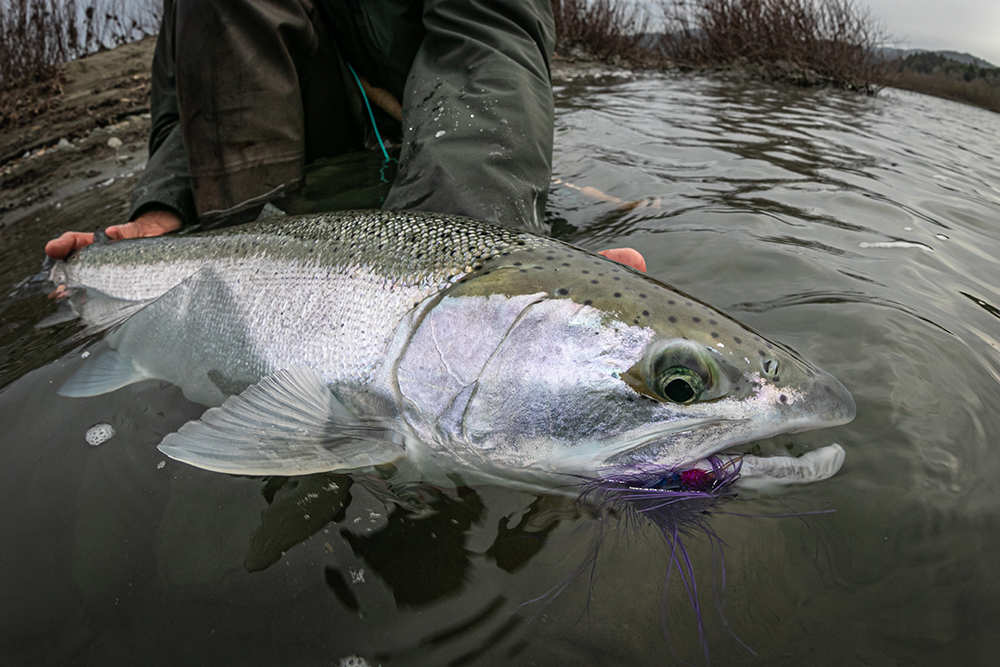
(679, 390)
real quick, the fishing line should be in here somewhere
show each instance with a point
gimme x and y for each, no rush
(371, 115)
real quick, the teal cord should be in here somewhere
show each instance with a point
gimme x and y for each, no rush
(370, 114)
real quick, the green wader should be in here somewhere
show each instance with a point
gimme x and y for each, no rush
(247, 92)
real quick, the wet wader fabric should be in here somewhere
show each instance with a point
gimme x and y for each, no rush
(246, 93)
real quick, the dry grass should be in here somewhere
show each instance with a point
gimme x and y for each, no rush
(825, 41)
(38, 35)
(603, 29)
(978, 92)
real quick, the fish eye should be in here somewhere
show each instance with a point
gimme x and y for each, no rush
(679, 384)
(682, 372)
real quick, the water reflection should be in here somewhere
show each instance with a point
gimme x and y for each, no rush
(297, 508)
(436, 562)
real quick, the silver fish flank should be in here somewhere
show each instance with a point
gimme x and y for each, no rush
(346, 340)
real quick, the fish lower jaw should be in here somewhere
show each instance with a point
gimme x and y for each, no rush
(673, 449)
(692, 445)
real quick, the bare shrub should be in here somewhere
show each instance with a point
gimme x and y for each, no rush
(600, 28)
(835, 39)
(982, 92)
(38, 35)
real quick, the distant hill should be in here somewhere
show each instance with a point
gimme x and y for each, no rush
(964, 58)
(956, 76)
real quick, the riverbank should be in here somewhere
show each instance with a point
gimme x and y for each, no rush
(88, 130)
(89, 124)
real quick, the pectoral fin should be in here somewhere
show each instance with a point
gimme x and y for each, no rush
(100, 374)
(98, 311)
(289, 423)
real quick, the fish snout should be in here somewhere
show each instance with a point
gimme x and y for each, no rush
(823, 402)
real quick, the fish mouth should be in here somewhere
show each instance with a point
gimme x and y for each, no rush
(690, 444)
(712, 469)
(677, 446)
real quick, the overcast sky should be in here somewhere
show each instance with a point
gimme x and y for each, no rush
(969, 26)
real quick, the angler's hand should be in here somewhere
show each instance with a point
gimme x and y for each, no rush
(626, 256)
(154, 223)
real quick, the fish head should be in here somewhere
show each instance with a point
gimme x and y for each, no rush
(560, 360)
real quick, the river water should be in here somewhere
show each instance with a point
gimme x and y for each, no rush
(862, 232)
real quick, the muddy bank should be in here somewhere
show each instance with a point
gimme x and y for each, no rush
(61, 140)
(87, 124)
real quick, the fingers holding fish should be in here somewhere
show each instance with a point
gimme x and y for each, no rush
(153, 223)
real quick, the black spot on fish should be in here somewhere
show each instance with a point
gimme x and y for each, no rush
(588, 302)
(549, 257)
(595, 282)
(645, 313)
(522, 270)
(517, 263)
(737, 340)
(641, 295)
(585, 271)
(617, 278)
(618, 295)
(783, 398)
(672, 302)
(715, 335)
(688, 303)
(672, 318)
(562, 291)
(712, 322)
(696, 319)
(762, 353)
(565, 263)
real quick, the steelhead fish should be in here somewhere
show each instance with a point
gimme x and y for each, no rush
(347, 340)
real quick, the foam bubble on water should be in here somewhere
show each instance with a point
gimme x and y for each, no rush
(895, 244)
(98, 434)
(353, 661)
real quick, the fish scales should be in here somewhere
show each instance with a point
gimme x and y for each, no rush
(498, 351)
(345, 278)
